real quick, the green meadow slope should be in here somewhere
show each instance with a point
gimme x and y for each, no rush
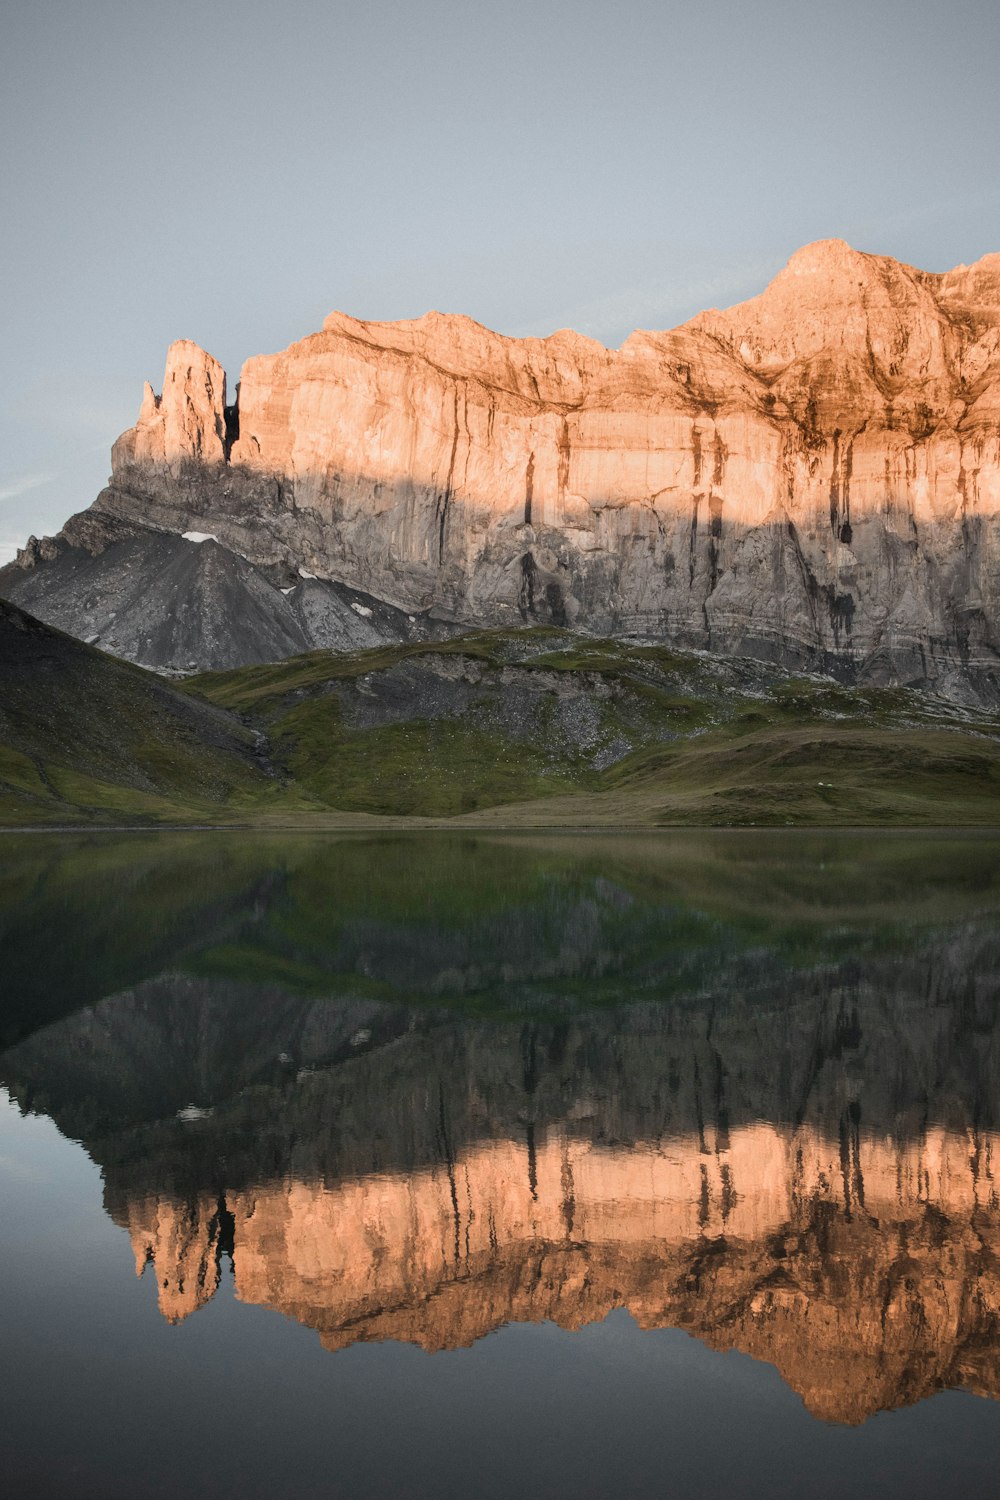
(539, 727)
(503, 728)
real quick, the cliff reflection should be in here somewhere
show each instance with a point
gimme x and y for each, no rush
(753, 1247)
(790, 1151)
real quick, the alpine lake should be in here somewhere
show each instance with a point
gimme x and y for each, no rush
(500, 1165)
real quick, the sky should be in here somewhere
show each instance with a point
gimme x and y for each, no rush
(230, 173)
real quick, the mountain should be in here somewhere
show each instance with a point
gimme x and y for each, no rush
(85, 736)
(811, 478)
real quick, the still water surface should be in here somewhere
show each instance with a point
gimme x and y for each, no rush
(500, 1166)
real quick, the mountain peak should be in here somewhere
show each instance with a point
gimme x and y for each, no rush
(867, 312)
(821, 255)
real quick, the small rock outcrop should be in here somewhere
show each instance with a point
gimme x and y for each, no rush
(811, 477)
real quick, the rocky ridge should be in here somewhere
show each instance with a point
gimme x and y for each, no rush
(812, 477)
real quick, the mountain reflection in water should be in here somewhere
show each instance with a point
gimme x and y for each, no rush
(419, 1088)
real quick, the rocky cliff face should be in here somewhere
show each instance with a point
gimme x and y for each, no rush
(812, 476)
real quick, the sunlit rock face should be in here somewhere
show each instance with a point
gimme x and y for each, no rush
(188, 421)
(812, 476)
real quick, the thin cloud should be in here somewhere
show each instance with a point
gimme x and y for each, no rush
(664, 304)
(19, 484)
(923, 213)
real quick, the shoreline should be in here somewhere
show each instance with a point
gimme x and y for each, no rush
(412, 826)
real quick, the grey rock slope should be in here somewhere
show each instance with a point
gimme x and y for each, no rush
(177, 605)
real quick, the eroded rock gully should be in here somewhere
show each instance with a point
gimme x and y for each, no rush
(812, 477)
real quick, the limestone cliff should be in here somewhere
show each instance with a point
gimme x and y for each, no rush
(812, 476)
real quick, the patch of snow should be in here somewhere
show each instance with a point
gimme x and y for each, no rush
(304, 574)
(192, 1112)
(291, 590)
(361, 609)
(199, 536)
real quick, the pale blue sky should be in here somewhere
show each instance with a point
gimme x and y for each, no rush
(231, 172)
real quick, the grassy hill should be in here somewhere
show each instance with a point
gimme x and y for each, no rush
(85, 737)
(496, 728)
(539, 727)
